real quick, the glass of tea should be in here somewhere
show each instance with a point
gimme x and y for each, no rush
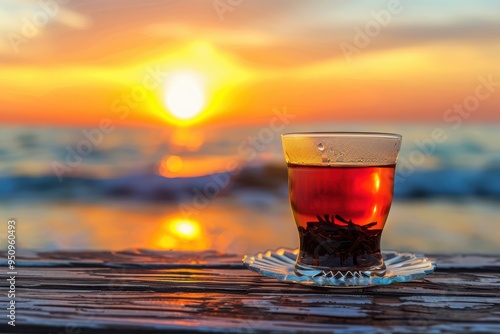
(341, 187)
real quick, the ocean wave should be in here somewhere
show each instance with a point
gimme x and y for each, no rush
(449, 183)
(272, 180)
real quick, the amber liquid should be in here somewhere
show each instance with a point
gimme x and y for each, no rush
(340, 213)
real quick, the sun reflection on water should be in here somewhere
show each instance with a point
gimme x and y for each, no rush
(191, 140)
(172, 166)
(182, 234)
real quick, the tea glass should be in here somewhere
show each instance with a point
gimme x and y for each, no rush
(341, 188)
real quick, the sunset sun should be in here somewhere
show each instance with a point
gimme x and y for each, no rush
(185, 96)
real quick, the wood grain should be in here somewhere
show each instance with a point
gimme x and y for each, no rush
(145, 291)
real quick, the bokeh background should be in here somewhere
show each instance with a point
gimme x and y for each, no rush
(156, 124)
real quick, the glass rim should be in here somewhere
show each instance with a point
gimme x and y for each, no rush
(367, 134)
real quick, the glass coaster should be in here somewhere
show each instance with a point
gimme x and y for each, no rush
(279, 264)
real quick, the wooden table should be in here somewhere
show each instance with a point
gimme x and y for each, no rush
(144, 291)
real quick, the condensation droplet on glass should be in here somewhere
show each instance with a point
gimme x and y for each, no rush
(321, 148)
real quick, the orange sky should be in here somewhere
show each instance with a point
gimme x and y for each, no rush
(116, 59)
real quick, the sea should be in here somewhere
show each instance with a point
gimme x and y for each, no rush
(225, 187)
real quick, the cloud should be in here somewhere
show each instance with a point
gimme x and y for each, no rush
(181, 31)
(73, 19)
(24, 21)
(278, 33)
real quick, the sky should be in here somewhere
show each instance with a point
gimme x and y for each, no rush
(180, 63)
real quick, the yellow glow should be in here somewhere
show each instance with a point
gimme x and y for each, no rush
(167, 242)
(134, 91)
(185, 97)
(204, 74)
(377, 182)
(173, 163)
(186, 229)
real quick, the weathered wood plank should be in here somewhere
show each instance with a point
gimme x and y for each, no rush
(148, 291)
(480, 262)
(144, 258)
